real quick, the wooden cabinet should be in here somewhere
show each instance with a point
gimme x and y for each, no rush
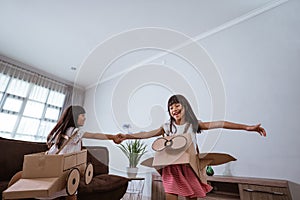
(157, 190)
(246, 188)
(243, 188)
(251, 192)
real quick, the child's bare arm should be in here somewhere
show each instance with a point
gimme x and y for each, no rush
(231, 125)
(143, 135)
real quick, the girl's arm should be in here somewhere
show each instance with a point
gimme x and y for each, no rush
(101, 136)
(231, 125)
(143, 135)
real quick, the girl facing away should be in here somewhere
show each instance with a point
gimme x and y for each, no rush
(71, 121)
(180, 179)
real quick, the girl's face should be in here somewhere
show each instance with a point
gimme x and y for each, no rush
(177, 112)
(81, 119)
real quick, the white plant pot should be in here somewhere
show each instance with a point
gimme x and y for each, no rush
(132, 172)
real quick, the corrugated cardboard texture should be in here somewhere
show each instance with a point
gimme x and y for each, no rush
(171, 157)
(44, 175)
(28, 188)
(187, 155)
(40, 165)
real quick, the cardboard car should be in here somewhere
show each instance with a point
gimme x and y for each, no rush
(44, 174)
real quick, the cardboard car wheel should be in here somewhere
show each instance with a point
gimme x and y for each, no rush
(88, 173)
(73, 181)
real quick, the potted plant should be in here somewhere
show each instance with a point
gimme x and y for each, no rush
(133, 150)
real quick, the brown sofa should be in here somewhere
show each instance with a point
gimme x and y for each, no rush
(103, 185)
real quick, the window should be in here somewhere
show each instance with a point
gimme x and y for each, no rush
(30, 104)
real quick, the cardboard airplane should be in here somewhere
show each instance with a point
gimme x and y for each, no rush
(180, 149)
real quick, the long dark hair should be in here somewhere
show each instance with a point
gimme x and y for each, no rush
(190, 116)
(68, 119)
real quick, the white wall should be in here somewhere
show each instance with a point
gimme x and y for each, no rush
(258, 61)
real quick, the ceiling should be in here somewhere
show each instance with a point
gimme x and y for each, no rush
(57, 36)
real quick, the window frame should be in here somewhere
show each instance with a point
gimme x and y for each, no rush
(35, 136)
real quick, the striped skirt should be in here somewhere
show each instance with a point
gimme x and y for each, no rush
(181, 180)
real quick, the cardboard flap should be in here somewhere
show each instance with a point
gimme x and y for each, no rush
(148, 162)
(216, 158)
(204, 163)
(31, 188)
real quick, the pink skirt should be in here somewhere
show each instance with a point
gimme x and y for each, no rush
(182, 180)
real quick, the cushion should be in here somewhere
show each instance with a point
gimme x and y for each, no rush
(12, 160)
(102, 183)
(99, 157)
(3, 185)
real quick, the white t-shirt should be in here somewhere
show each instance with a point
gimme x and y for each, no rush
(73, 146)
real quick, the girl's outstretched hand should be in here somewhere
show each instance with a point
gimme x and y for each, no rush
(119, 138)
(258, 129)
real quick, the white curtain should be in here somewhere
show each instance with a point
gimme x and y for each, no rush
(75, 97)
(31, 103)
(19, 73)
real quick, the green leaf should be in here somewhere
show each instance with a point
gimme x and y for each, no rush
(133, 150)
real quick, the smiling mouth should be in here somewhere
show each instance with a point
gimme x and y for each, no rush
(176, 113)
